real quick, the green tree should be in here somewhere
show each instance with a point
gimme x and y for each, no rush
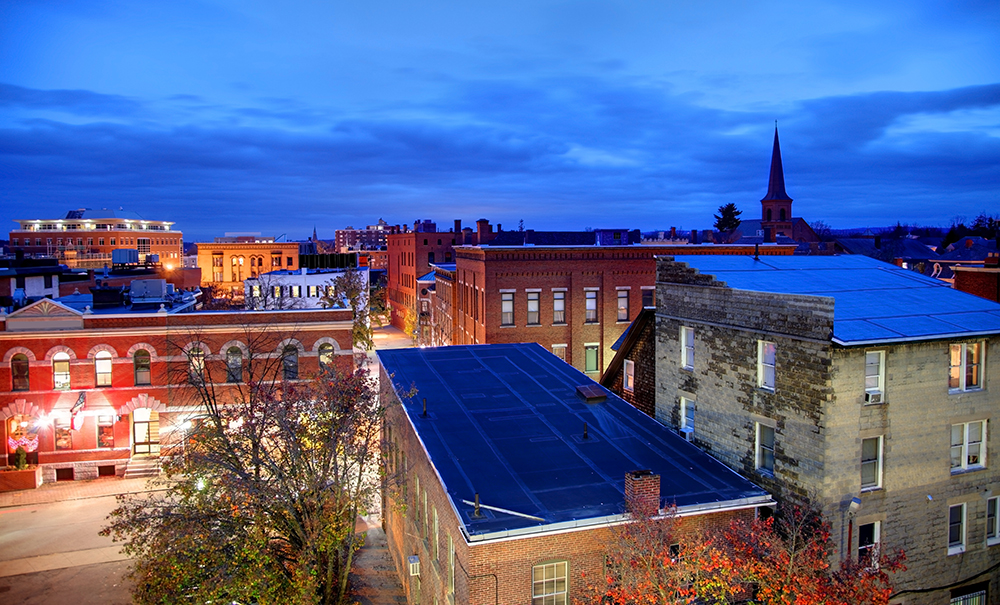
(350, 289)
(728, 218)
(261, 506)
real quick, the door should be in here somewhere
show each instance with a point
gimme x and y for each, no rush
(145, 432)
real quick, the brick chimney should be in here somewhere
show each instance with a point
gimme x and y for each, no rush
(642, 492)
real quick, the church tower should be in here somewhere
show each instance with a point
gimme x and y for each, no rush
(776, 206)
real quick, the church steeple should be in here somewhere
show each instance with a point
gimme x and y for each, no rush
(776, 183)
(776, 206)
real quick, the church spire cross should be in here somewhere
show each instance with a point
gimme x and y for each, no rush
(776, 182)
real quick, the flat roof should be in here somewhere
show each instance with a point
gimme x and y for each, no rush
(873, 301)
(504, 421)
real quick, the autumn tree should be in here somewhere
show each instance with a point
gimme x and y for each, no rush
(728, 218)
(261, 506)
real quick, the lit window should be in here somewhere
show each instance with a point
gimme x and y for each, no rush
(325, 356)
(290, 362)
(506, 308)
(105, 431)
(766, 352)
(765, 448)
(993, 521)
(956, 529)
(590, 357)
(102, 367)
(533, 318)
(874, 374)
(966, 363)
(19, 371)
(968, 446)
(60, 372)
(276, 291)
(549, 584)
(558, 307)
(868, 540)
(871, 463)
(140, 366)
(623, 305)
(196, 365)
(629, 375)
(63, 434)
(296, 292)
(591, 296)
(313, 292)
(687, 348)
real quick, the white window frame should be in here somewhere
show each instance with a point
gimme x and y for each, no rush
(590, 305)
(559, 351)
(876, 461)
(874, 546)
(545, 588)
(687, 415)
(60, 376)
(687, 347)
(965, 449)
(102, 369)
(875, 382)
(597, 356)
(958, 370)
(957, 547)
(628, 381)
(760, 448)
(534, 307)
(506, 308)
(558, 307)
(623, 295)
(762, 366)
(993, 523)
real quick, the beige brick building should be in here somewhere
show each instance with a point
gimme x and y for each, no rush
(832, 379)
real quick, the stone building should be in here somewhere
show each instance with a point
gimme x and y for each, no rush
(229, 261)
(839, 379)
(512, 468)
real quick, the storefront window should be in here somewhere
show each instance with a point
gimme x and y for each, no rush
(64, 436)
(22, 431)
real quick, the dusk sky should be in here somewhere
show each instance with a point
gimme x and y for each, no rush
(274, 117)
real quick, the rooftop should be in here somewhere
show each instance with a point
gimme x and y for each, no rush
(873, 301)
(504, 421)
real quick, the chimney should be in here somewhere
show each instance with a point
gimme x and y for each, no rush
(694, 236)
(768, 235)
(458, 226)
(642, 493)
(968, 242)
(673, 233)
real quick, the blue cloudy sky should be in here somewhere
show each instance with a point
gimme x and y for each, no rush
(244, 115)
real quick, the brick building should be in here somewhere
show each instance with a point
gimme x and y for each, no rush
(840, 378)
(411, 254)
(372, 237)
(86, 238)
(228, 261)
(982, 281)
(95, 383)
(511, 481)
(573, 299)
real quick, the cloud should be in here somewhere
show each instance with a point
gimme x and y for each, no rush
(78, 102)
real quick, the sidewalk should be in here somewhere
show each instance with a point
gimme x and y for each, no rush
(72, 490)
(373, 579)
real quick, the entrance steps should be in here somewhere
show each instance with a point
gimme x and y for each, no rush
(142, 467)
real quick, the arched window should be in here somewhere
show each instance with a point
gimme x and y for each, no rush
(19, 372)
(102, 368)
(290, 362)
(768, 214)
(140, 362)
(60, 372)
(234, 365)
(781, 214)
(325, 356)
(196, 365)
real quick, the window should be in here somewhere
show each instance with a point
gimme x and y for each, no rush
(966, 360)
(290, 362)
(977, 597)
(629, 381)
(968, 446)
(549, 585)
(100, 241)
(275, 260)
(295, 291)
(687, 348)
(140, 367)
(255, 291)
(765, 448)
(506, 308)
(325, 356)
(277, 291)
(591, 317)
(590, 357)
(196, 365)
(993, 521)
(19, 373)
(559, 351)
(874, 372)
(451, 568)
(102, 367)
(313, 292)
(64, 436)
(765, 364)
(533, 318)
(234, 364)
(956, 529)
(868, 539)
(60, 372)
(288, 261)
(437, 538)
(430, 257)
(687, 416)
(559, 307)
(105, 431)
(871, 463)
(623, 305)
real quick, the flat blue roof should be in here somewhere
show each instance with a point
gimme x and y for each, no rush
(873, 301)
(504, 421)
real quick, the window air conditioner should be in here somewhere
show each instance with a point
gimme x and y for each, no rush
(873, 397)
(688, 433)
(414, 561)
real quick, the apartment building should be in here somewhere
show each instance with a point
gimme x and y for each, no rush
(228, 261)
(862, 387)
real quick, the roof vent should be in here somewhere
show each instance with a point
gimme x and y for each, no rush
(591, 393)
